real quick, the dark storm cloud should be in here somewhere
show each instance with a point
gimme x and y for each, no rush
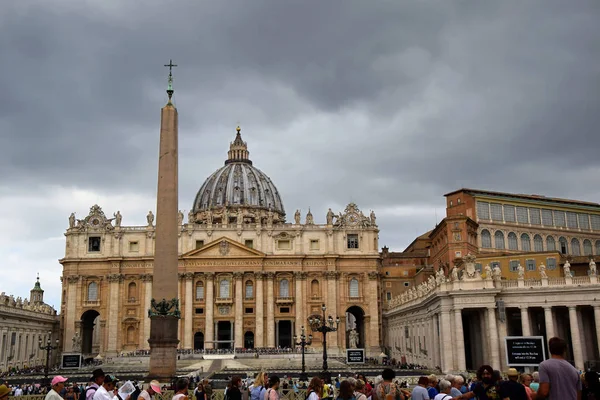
(388, 104)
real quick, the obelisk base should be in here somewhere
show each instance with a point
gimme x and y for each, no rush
(163, 348)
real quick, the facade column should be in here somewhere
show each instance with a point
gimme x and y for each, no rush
(114, 307)
(597, 320)
(72, 281)
(446, 339)
(575, 338)
(209, 324)
(259, 334)
(548, 318)
(270, 310)
(526, 326)
(147, 279)
(332, 300)
(493, 338)
(239, 311)
(502, 333)
(299, 301)
(373, 301)
(460, 341)
(435, 339)
(188, 311)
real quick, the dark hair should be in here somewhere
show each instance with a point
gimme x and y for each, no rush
(273, 380)
(557, 346)
(316, 385)
(181, 384)
(496, 376)
(346, 391)
(388, 374)
(423, 380)
(482, 369)
(235, 380)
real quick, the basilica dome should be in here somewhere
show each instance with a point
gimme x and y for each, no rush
(238, 190)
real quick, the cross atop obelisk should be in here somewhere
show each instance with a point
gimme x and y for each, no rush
(164, 307)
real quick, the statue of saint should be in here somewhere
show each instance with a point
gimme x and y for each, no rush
(309, 218)
(191, 217)
(330, 217)
(297, 217)
(240, 216)
(353, 339)
(455, 273)
(270, 217)
(497, 273)
(543, 274)
(593, 267)
(179, 218)
(150, 218)
(521, 271)
(76, 342)
(72, 220)
(224, 216)
(118, 218)
(373, 218)
(209, 217)
(488, 271)
(567, 269)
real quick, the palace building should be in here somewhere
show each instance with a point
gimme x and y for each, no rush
(248, 278)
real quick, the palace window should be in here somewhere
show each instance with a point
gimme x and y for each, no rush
(406, 284)
(559, 218)
(314, 289)
(353, 241)
(525, 242)
(224, 289)
(284, 288)
(479, 267)
(199, 244)
(550, 243)
(597, 247)
(131, 335)
(353, 287)
(284, 244)
(499, 240)
(486, 239)
(587, 247)
(509, 213)
(134, 247)
(314, 244)
(534, 216)
(538, 243)
(530, 265)
(94, 243)
(551, 263)
(571, 220)
(92, 293)
(483, 210)
(199, 291)
(249, 243)
(388, 296)
(575, 247)
(563, 245)
(512, 241)
(595, 219)
(514, 265)
(132, 292)
(547, 217)
(496, 211)
(584, 221)
(522, 216)
(249, 290)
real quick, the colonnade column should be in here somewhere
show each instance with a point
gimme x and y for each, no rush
(72, 281)
(447, 345)
(460, 341)
(549, 320)
(299, 301)
(270, 310)
(332, 310)
(525, 325)
(209, 325)
(575, 338)
(436, 343)
(372, 293)
(259, 333)
(114, 307)
(597, 319)
(188, 311)
(493, 338)
(147, 279)
(239, 312)
(502, 333)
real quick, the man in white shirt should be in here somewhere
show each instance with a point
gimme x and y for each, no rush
(58, 384)
(148, 394)
(108, 389)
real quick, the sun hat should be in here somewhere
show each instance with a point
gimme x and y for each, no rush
(154, 385)
(4, 390)
(110, 379)
(58, 379)
(512, 372)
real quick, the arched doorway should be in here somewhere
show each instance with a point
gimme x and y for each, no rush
(355, 319)
(249, 340)
(198, 341)
(88, 322)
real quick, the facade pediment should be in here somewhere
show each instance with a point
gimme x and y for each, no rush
(223, 248)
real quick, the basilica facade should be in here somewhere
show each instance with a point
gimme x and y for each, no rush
(248, 278)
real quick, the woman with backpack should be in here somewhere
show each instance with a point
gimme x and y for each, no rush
(272, 392)
(346, 392)
(360, 389)
(233, 392)
(315, 389)
(257, 390)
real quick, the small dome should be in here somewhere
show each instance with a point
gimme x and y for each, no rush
(238, 185)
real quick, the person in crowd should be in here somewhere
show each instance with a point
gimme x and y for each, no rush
(387, 389)
(420, 391)
(315, 389)
(368, 386)
(535, 384)
(559, 380)
(346, 392)
(70, 393)
(591, 386)
(445, 387)
(327, 388)
(57, 384)
(272, 392)
(207, 388)
(108, 390)
(181, 389)
(4, 392)
(96, 381)
(258, 388)
(511, 389)
(360, 389)
(234, 393)
(485, 388)
(526, 380)
(199, 393)
(148, 394)
(457, 383)
(432, 389)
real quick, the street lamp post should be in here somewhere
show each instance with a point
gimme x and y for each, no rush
(324, 325)
(48, 347)
(304, 341)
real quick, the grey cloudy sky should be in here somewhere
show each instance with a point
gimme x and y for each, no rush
(389, 104)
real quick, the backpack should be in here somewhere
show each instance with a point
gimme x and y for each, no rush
(255, 393)
(83, 393)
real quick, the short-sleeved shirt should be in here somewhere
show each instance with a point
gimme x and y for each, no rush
(513, 390)
(454, 392)
(486, 393)
(419, 393)
(563, 378)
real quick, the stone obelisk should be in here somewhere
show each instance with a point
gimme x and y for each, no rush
(164, 309)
